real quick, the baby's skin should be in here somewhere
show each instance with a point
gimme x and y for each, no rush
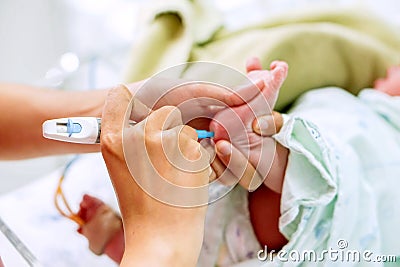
(236, 125)
(391, 84)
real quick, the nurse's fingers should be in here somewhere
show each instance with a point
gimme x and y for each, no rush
(115, 110)
(164, 118)
(139, 110)
(115, 117)
(238, 164)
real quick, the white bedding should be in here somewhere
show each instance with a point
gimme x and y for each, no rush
(53, 239)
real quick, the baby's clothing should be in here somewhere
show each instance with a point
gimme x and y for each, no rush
(340, 187)
(228, 237)
(340, 191)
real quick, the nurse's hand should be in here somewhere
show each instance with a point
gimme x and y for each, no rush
(143, 157)
(197, 100)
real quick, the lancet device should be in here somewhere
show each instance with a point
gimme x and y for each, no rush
(85, 130)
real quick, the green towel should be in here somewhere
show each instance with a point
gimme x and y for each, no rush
(168, 34)
(345, 48)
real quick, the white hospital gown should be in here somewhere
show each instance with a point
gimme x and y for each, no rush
(341, 184)
(341, 192)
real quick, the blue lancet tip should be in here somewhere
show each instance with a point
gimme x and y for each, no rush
(204, 134)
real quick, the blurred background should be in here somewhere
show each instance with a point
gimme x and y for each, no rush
(82, 44)
(73, 45)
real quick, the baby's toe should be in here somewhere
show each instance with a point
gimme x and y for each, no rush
(252, 64)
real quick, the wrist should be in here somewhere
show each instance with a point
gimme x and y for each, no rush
(171, 243)
(156, 251)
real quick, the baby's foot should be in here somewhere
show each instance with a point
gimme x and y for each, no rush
(235, 124)
(225, 123)
(391, 84)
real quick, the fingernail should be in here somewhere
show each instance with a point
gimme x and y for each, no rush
(255, 182)
(262, 123)
(224, 149)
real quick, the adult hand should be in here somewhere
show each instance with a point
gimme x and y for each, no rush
(156, 233)
(199, 101)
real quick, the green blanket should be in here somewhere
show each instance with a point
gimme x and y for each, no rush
(343, 48)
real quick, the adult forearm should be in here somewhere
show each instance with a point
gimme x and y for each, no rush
(23, 109)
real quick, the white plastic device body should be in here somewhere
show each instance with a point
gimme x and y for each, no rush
(83, 130)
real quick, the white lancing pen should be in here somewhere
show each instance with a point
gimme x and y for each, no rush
(85, 130)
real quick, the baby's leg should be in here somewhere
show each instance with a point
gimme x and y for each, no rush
(235, 125)
(264, 209)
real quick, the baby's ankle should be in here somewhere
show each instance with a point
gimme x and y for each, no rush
(274, 179)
